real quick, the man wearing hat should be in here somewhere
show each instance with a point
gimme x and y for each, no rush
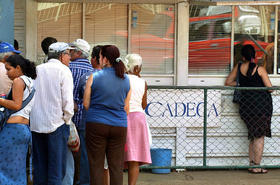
(6, 50)
(79, 66)
(51, 115)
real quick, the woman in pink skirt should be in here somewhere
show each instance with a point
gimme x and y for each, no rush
(137, 150)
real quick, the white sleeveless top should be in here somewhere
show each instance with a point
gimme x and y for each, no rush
(137, 86)
(25, 112)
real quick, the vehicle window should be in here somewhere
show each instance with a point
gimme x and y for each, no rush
(210, 40)
(222, 29)
(199, 31)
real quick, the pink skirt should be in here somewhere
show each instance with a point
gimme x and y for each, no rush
(137, 139)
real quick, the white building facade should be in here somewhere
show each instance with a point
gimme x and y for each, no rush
(183, 43)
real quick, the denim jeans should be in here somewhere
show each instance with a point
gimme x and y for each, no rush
(69, 174)
(84, 164)
(81, 162)
(49, 156)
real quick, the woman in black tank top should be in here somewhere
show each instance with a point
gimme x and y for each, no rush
(255, 106)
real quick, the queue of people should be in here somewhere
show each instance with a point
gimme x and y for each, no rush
(94, 95)
(105, 98)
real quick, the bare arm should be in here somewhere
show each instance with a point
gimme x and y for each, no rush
(263, 73)
(231, 79)
(144, 99)
(86, 99)
(16, 102)
(126, 102)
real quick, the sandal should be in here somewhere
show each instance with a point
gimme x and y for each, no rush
(252, 163)
(256, 170)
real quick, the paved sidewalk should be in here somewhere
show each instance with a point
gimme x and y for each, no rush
(210, 177)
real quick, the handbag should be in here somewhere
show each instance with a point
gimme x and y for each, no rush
(73, 140)
(6, 113)
(237, 93)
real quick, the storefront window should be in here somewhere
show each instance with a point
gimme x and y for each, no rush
(62, 21)
(255, 25)
(210, 39)
(106, 24)
(152, 36)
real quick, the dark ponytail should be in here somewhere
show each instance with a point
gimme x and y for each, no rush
(28, 68)
(119, 68)
(112, 54)
(249, 53)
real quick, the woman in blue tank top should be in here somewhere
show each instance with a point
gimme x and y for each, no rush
(106, 100)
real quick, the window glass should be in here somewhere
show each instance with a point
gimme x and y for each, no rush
(152, 36)
(106, 24)
(255, 25)
(62, 21)
(209, 39)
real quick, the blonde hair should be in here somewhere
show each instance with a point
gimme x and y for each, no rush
(131, 61)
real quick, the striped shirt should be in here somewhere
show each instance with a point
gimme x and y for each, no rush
(53, 103)
(79, 67)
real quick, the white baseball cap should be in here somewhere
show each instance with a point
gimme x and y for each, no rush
(82, 45)
(58, 47)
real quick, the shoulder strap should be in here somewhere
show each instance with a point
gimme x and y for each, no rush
(25, 102)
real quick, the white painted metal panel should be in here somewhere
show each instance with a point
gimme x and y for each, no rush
(227, 142)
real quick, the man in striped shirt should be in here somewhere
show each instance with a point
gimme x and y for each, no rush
(79, 66)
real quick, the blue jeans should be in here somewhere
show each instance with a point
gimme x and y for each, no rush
(69, 174)
(84, 164)
(49, 156)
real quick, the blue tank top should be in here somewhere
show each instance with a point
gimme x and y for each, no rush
(108, 93)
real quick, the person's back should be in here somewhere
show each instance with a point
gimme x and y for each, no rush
(137, 138)
(137, 86)
(79, 66)
(107, 99)
(50, 77)
(251, 77)
(51, 115)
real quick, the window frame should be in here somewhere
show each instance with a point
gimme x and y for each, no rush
(233, 5)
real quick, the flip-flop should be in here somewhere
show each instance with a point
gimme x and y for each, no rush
(262, 171)
(250, 170)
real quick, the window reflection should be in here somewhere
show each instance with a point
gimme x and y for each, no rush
(255, 25)
(210, 39)
(152, 36)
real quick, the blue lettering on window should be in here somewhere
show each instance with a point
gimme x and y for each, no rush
(180, 109)
(191, 107)
(176, 109)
